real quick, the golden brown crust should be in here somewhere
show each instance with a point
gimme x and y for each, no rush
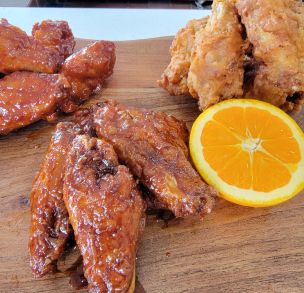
(263, 59)
(106, 212)
(216, 70)
(275, 28)
(153, 146)
(87, 69)
(50, 226)
(26, 97)
(174, 78)
(56, 35)
(18, 52)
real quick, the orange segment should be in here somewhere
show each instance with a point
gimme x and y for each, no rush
(237, 171)
(232, 118)
(251, 151)
(269, 174)
(277, 129)
(256, 120)
(217, 162)
(285, 149)
(215, 134)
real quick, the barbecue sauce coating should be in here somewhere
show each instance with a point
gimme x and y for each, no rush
(106, 212)
(154, 146)
(18, 51)
(56, 35)
(50, 226)
(87, 69)
(26, 97)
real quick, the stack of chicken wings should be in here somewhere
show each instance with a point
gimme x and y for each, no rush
(91, 185)
(102, 170)
(245, 49)
(85, 189)
(100, 174)
(43, 77)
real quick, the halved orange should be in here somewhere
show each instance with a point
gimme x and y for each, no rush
(250, 151)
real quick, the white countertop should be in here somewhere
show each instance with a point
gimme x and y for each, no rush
(109, 24)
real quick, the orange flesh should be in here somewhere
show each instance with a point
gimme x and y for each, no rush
(250, 148)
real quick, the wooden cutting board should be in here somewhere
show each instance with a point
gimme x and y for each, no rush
(235, 249)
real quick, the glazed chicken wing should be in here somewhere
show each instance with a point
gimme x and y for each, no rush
(153, 146)
(87, 69)
(49, 218)
(26, 97)
(174, 78)
(56, 35)
(106, 212)
(18, 51)
(216, 70)
(275, 28)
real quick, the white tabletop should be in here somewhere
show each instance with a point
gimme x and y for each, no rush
(109, 24)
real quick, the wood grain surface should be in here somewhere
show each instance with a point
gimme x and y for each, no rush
(235, 249)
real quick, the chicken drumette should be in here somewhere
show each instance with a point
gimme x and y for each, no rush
(56, 35)
(87, 69)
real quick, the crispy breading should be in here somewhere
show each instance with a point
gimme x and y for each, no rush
(174, 78)
(216, 70)
(275, 28)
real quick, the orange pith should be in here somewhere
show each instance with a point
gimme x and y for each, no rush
(250, 148)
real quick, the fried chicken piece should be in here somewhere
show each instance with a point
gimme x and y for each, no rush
(26, 97)
(275, 28)
(216, 70)
(153, 146)
(56, 35)
(18, 52)
(106, 212)
(174, 78)
(87, 70)
(50, 226)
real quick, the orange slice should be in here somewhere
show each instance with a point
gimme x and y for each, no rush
(250, 151)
